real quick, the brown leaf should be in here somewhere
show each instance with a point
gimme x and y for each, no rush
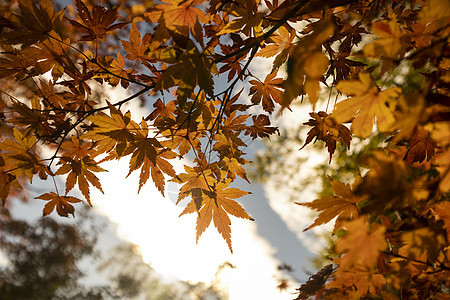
(421, 146)
(267, 92)
(260, 127)
(95, 25)
(328, 130)
(62, 203)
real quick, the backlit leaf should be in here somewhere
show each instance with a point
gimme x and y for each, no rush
(62, 203)
(361, 245)
(367, 104)
(266, 92)
(343, 205)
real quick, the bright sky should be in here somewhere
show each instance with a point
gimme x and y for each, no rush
(168, 242)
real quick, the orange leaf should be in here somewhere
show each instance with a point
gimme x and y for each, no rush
(234, 167)
(80, 171)
(215, 206)
(177, 13)
(62, 204)
(111, 131)
(359, 278)
(148, 155)
(22, 158)
(342, 205)
(361, 245)
(391, 42)
(136, 50)
(281, 42)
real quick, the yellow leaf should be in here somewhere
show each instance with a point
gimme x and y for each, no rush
(307, 64)
(111, 131)
(360, 245)
(390, 43)
(316, 65)
(215, 205)
(367, 104)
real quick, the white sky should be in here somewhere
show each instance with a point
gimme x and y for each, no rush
(168, 242)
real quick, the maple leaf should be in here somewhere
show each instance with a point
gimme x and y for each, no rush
(391, 42)
(361, 245)
(194, 180)
(183, 142)
(6, 180)
(111, 131)
(306, 65)
(328, 130)
(22, 158)
(118, 69)
(62, 203)
(162, 110)
(80, 171)
(411, 109)
(227, 144)
(235, 122)
(192, 68)
(135, 48)
(421, 146)
(32, 118)
(358, 281)
(423, 243)
(177, 13)
(32, 22)
(147, 154)
(77, 149)
(215, 206)
(315, 65)
(281, 42)
(343, 205)
(266, 92)
(260, 127)
(368, 103)
(95, 25)
(232, 64)
(234, 167)
(246, 24)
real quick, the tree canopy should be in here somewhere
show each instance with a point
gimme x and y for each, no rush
(383, 65)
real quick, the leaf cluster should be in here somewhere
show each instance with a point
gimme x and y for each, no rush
(171, 54)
